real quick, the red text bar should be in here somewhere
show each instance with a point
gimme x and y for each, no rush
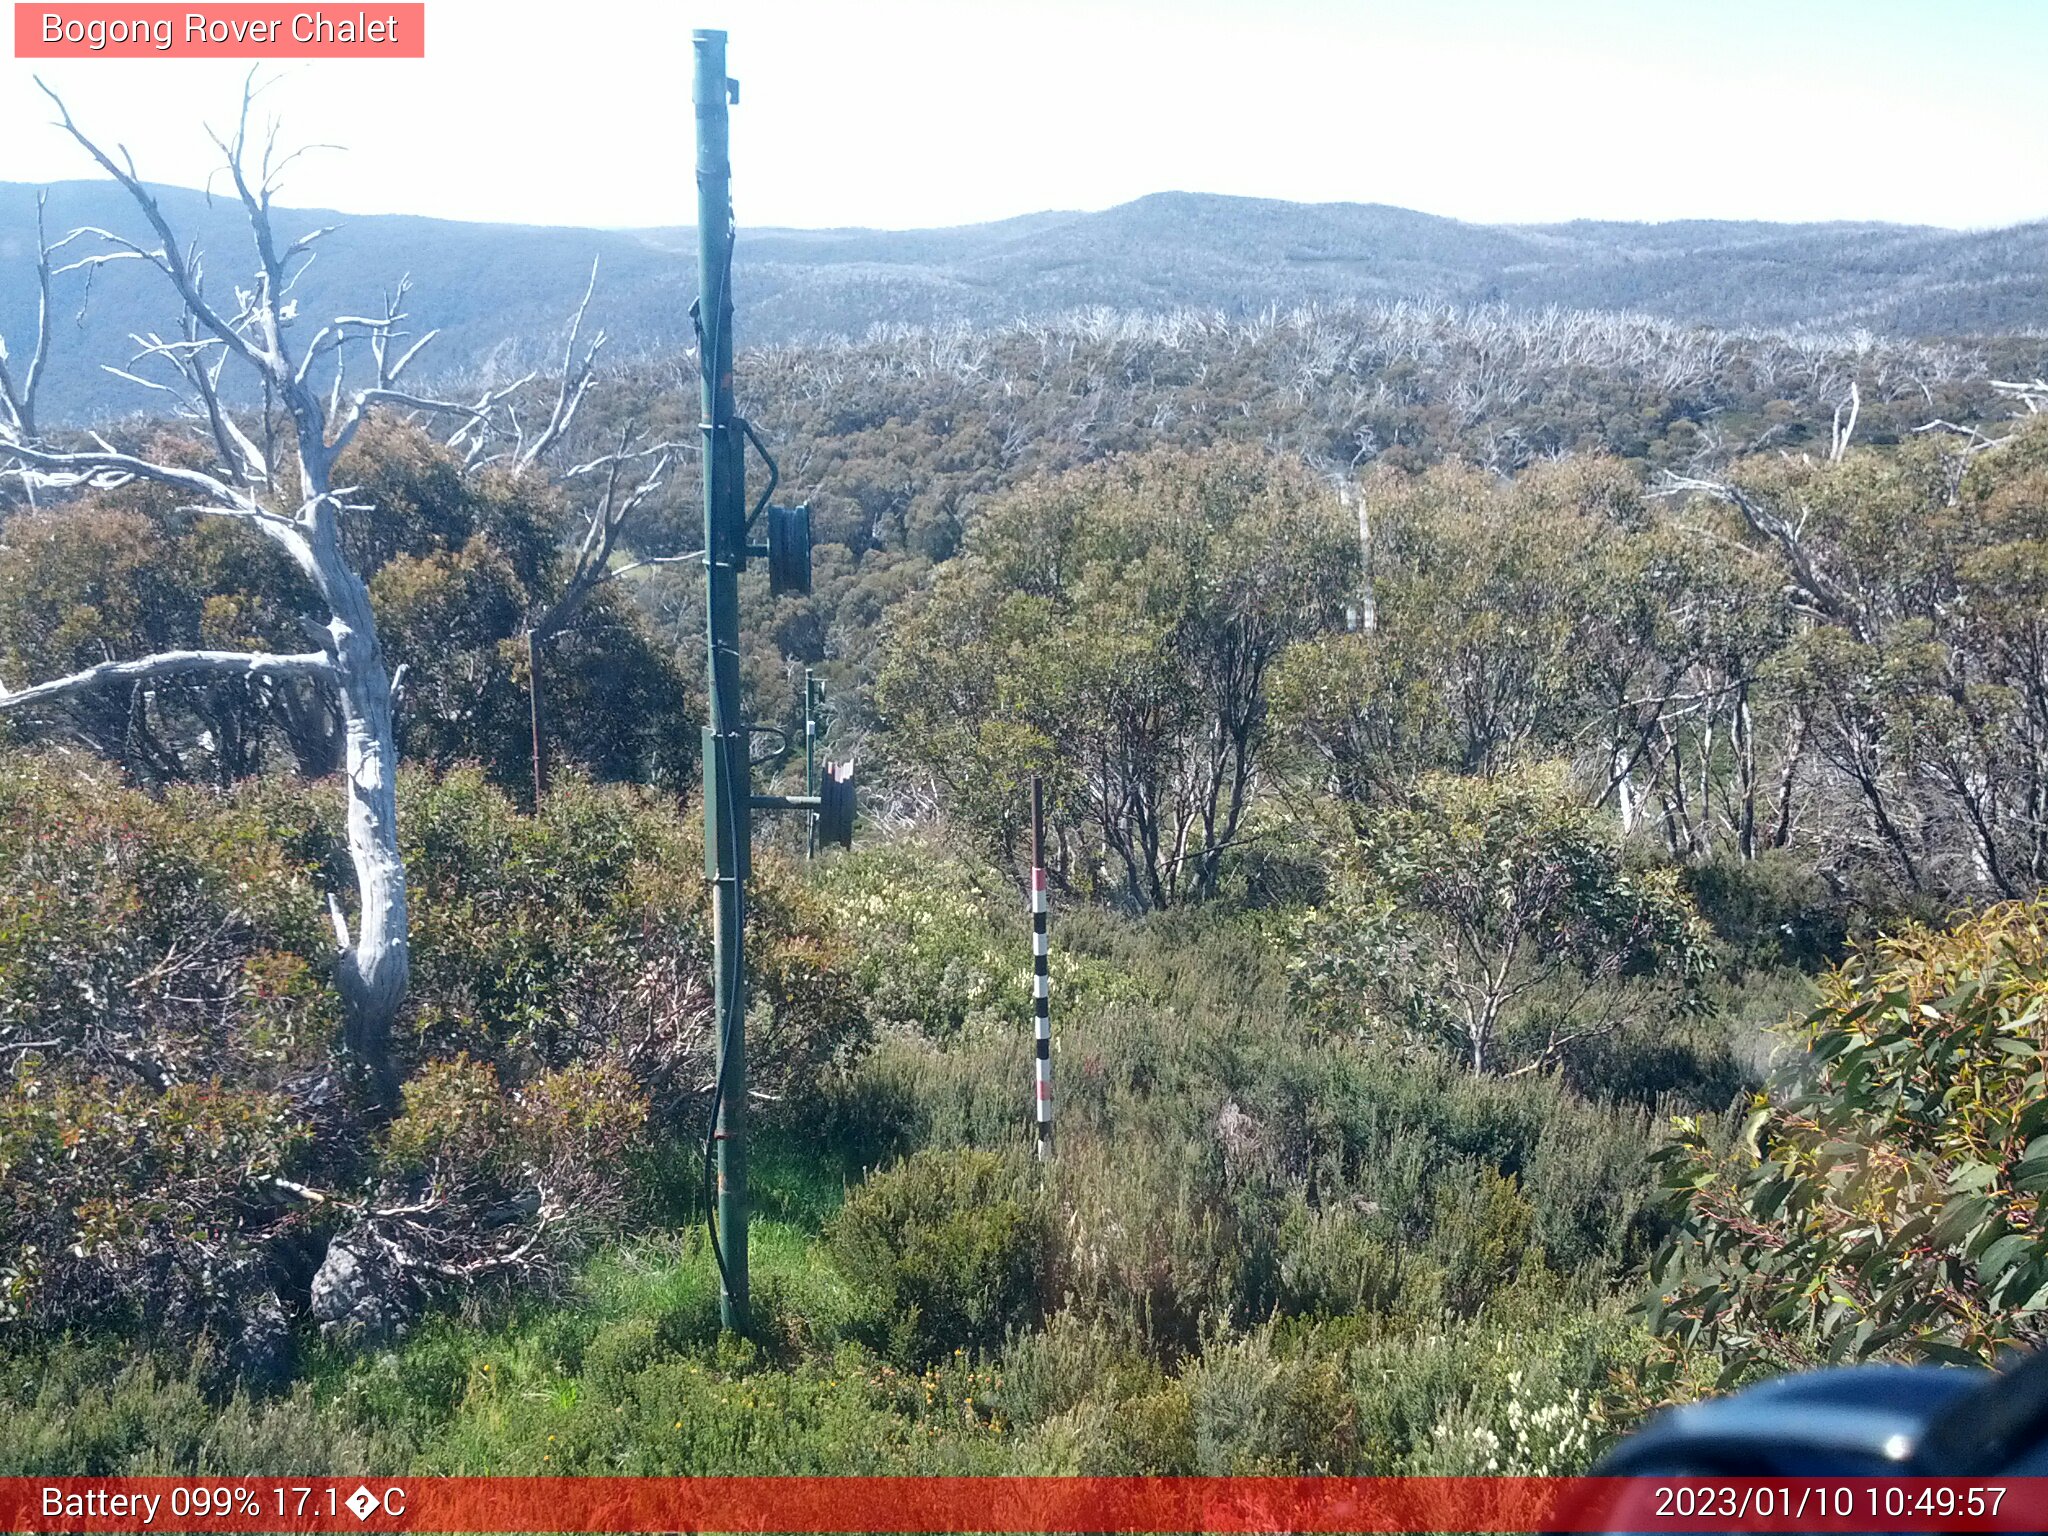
(225, 31)
(1024, 1504)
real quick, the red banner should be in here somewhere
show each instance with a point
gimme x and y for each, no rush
(1024, 1504)
(225, 31)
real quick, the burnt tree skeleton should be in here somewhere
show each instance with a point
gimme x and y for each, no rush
(301, 515)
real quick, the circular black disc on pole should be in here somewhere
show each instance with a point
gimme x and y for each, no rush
(835, 805)
(789, 550)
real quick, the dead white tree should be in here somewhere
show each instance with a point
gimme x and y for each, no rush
(624, 489)
(1786, 533)
(625, 478)
(491, 432)
(1844, 428)
(2030, 394)
(294, 503)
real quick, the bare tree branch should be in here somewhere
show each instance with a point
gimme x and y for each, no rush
(473, 437)
(613, 510)
(20, 398)
(637, 565)
(576, 379)
(147, 669)
(2031, 393)
(108, 469)
(1823, 592)
(168, 258)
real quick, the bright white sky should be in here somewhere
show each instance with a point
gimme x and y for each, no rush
(908, 113)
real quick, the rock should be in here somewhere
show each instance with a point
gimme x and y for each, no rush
(339, 1283)
(263, 1352)
(356, 1295)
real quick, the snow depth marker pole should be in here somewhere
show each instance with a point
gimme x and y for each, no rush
(1041, 978)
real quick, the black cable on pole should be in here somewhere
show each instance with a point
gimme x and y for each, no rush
(731, 1022)
(727, 982)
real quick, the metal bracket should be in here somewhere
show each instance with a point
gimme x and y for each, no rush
(785, 802)
(774, 473)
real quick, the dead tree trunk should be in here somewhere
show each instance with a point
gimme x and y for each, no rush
(373, 958)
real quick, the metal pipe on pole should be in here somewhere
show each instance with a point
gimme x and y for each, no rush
(729, 799)
(727, 771)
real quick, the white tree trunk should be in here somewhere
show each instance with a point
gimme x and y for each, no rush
(374, 969)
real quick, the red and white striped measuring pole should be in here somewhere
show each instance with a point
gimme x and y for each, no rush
(1041, 979)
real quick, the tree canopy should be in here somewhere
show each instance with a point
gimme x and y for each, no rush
(458, 566)
(1116, 631)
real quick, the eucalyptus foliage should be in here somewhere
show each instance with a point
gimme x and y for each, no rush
(1115, 631)
(1498, 918)
(1886, 1199)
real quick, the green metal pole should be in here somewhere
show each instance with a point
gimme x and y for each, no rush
(727, 775)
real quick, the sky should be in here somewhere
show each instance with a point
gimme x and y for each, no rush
(916, 113)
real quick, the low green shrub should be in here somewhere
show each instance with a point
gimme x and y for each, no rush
(163, 1006)
(1479, 1234)
(931, 955)
(618, 1354)
(1333, 1264)
(175, 1153)
(943, 944)
(1166, 1248)
(1533, 1384)
(1051, 1371)
(950, 1250)
(1257, 1411)
(102, 1411)
(1143, 1434)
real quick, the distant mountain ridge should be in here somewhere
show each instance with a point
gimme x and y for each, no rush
(500, 293)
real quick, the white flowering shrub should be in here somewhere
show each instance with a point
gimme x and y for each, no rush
(1528, 1421)
(925, 929)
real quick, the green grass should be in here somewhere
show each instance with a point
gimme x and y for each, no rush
(631, 1375)
(483, 1393)
(797, 1184)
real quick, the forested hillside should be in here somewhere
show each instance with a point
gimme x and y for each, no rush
(496, 289)
(1547, 811)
